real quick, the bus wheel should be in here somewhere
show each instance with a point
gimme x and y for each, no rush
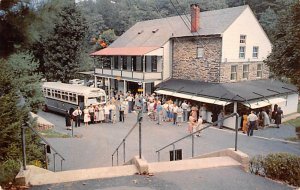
(45, 108)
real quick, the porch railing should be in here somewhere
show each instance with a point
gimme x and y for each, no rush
(129, 74)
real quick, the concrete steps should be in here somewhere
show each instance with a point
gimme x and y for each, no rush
(192, 164)
(224, 158)
(83, 174)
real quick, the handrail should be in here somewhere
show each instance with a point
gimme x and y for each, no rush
(192, 134)
(123, 142)
(56, 152)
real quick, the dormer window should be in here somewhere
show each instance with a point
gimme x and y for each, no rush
(242, 39)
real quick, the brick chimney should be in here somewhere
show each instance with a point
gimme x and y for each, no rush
(195, 17)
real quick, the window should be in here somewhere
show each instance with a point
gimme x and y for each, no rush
(255, 52)
(153, 63)
(200, 52)
(124, 62)
(116, 62)
(259, 70)
(242, 39)
(233, 74)
(245, 71)
(242, 52)
(133, 63)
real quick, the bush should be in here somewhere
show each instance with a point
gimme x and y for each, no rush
(281, 166)
(8, 171)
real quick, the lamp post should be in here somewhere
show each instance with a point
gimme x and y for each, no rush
(23, 128)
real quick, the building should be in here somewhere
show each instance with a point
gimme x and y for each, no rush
(186, 56)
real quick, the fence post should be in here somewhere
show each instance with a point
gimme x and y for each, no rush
(192, 146)
(124, 150)
(140, 132)
(236, 129)
(23, 127)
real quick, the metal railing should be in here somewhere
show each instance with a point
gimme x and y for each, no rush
(192, 134)
(122, 143)
(27, 125)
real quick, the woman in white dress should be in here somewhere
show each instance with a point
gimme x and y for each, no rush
(106, 112)
(96, 114)
(125, 102)
(101, 113)
(86, 117)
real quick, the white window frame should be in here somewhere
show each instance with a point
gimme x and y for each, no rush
(243, 39)
(242, 55)
(245, 71)
(259, 71)
(255, 53)
(200, 52)
(233, 74)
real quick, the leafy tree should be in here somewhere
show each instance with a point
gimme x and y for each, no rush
(27, 79)
(12, 115)
(268, 21)
(15, 16)
(62, 49)
(285, 57)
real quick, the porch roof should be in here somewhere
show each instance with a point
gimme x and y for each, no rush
(124, 51)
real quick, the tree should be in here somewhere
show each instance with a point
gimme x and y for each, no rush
(268, 20)
(15, 16)
(12, 115)
(284, 61)
(62, 49)
(27, 79)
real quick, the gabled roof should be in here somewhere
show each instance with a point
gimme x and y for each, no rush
(154, 33)
(239, 91)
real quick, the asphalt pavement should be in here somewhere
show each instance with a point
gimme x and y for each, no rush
(98, 141)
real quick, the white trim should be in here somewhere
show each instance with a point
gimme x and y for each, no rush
(256, 104)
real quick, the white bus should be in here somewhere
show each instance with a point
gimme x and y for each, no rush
(60, 97)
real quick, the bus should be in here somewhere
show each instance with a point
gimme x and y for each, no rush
(60, 97)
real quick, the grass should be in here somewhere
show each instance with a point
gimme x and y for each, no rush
(50, 133)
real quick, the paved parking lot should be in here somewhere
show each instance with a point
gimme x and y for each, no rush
(99, 141)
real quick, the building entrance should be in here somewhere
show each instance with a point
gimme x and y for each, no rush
(133, 87)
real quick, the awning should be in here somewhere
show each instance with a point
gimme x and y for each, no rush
(126, 51)
(191, 97)
(257, 104)
(277, 100)
(210, 100)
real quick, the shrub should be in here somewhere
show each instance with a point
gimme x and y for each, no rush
(8, 171)
(280, 166)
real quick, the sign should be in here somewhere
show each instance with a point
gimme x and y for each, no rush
(140, 90)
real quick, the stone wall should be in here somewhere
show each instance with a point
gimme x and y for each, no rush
(225, 71)
(186, 65)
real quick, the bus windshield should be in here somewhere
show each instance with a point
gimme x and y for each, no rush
(96, 100)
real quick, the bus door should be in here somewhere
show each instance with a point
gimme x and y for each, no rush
(81, 102)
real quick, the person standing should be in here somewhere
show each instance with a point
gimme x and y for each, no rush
(159, 110)
(278, 116)
(179, 116)
(266, 119)
(252, 119)
(203, 113)
(77, 114)
(199, 125)
(68, 120)
(175, 111)
(220, 116)
(184, 107)
(121, 111)
(130, 103)
(101, 113)
(86, 116)
(192, 122)
(92, 113)
(245, 123)
(97, 113)
(106, 112)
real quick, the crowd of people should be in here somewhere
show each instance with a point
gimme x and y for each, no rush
(165, 110)
(261, 118)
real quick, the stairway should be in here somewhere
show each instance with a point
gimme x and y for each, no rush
(224, 158)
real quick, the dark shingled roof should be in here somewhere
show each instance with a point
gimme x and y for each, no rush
(155, 33)
(239, 91)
